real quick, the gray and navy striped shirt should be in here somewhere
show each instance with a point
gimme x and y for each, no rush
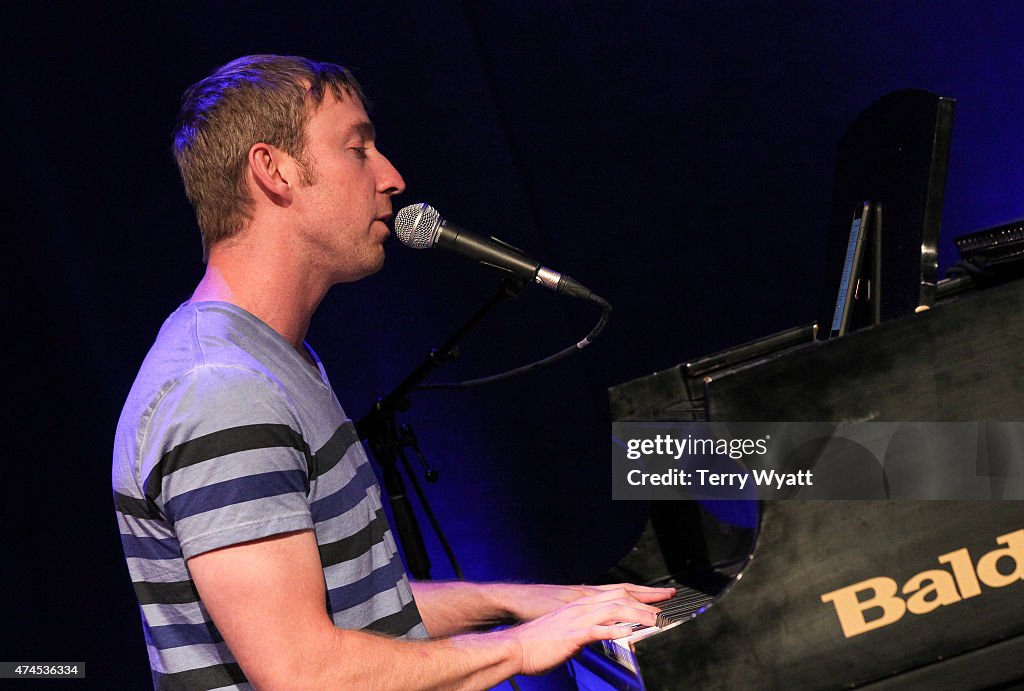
(227, 436)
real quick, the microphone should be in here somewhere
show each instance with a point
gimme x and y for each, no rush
(420, 226)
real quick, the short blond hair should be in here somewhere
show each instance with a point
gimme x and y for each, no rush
(257, 98)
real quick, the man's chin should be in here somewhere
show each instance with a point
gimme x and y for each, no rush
(371, 266)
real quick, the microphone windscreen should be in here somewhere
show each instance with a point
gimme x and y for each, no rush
(416, 225)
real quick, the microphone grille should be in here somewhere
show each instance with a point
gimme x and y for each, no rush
(416, 225)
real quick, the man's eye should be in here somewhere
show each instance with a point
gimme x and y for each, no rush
(360, 151)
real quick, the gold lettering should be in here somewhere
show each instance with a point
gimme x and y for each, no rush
(963, 569)
(937, 584)
(850, 609)
(1014, 550)
(928, 590)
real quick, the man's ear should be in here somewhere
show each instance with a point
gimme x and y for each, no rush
(274, 172)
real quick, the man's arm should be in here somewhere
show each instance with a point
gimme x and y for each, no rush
(451, 607)
(266, 598)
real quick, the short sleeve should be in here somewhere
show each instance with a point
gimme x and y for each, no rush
(224, 460)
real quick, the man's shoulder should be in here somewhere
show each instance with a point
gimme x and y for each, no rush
(209, 341)
(205, 371)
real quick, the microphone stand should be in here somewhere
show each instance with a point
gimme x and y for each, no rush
(388, 441)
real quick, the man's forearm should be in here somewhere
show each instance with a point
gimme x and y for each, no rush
(452, 607)
(455, 607)
(356, 659)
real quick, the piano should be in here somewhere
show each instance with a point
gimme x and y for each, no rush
(876, 594)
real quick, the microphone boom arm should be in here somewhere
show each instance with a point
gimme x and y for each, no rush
(387, 440)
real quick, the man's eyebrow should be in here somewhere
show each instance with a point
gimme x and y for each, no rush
(364, 129)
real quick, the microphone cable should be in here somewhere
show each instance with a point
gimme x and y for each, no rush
(606, 310)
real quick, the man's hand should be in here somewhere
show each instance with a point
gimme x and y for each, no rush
(525, 602)
(550, 639)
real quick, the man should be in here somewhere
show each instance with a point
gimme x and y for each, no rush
(250, 517)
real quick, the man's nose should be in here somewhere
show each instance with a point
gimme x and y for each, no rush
(389, 180)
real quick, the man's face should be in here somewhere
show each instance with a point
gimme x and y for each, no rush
(345, 209)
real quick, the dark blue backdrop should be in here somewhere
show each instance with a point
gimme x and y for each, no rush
(676, 157)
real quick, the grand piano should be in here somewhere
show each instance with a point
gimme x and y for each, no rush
(837, 594)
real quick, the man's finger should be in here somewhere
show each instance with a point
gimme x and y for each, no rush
(639, 592)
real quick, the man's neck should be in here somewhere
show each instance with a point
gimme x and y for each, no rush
(282, 294)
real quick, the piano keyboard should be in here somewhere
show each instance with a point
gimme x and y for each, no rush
(686, 604)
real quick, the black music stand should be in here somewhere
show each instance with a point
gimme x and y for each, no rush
(895, 155)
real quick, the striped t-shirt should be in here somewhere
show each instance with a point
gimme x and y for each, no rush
(229, 435)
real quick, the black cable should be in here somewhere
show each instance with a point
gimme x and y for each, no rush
(606, 310)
